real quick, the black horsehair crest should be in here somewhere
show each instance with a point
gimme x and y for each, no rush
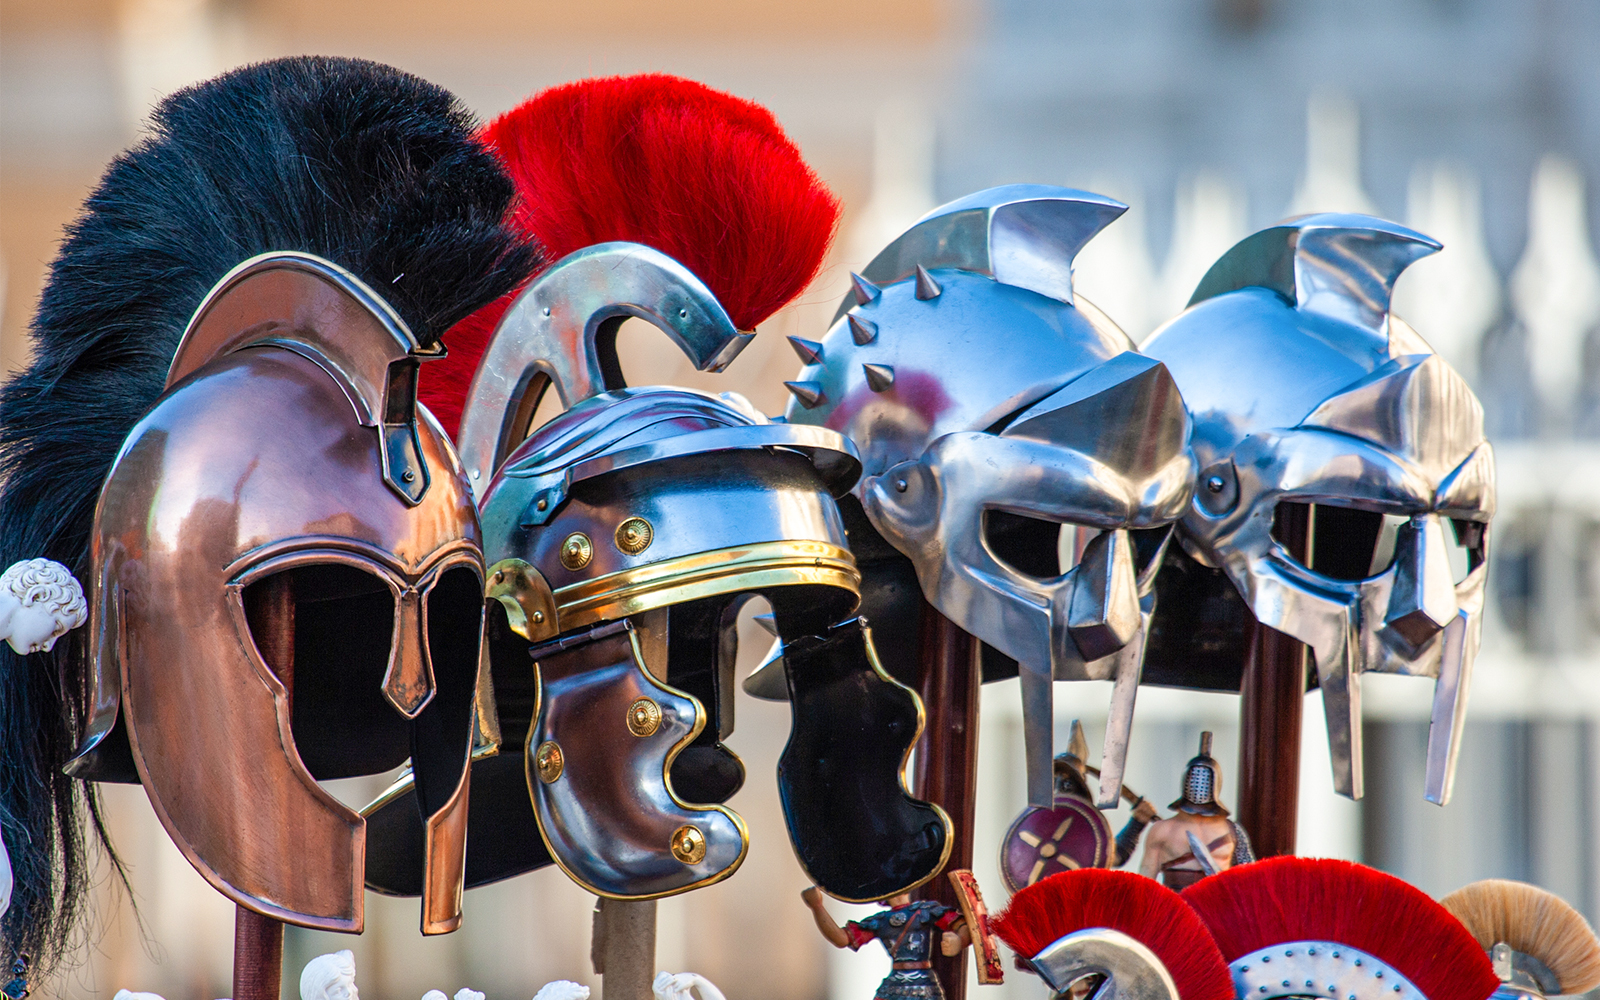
(366, 166)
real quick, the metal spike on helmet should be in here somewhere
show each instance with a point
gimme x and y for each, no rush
(862, 331)
(808, 351)
(863, 290)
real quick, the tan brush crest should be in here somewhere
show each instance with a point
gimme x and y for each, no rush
(1533, 921)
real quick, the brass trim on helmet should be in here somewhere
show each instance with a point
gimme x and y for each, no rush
(705, 574)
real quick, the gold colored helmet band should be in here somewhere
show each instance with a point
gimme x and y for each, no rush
(732, 570)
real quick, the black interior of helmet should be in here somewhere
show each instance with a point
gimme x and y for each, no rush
(441, 735)
(343, 626)
(1026, 544)
(1352, 544)
(1200, 629)
(853, 826)
(702, 644)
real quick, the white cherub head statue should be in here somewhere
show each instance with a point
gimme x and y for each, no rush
(40, 601)
(330, 977)
(562, 989)
(676, 986)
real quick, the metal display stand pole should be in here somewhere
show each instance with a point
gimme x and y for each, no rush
(947, 759)
(1271, 702)
(623, 948)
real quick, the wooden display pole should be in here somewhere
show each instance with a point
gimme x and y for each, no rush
(258, 940)
(257, 956)
(1271, 701)
(947, 759)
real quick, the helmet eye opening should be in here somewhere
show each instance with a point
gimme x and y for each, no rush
(1033, 546)
(343, 625)
(1347, 543)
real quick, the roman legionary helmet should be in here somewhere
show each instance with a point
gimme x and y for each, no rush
(1302, 927)
(284, 560)
(1539, 945)
(1346, 487)
(1202, 784)
(992, 406)
(1118, 933)
(626, 532)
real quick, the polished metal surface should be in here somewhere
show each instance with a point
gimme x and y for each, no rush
(259, 463)
(561, 331)
(1304, 389)
(611, 820)
(1130, 970)
(699, 496)
(975, 383)
(1318, 968)
(373, 358)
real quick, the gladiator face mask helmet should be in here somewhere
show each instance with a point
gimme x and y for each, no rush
(626, 533)
(1306, 391)
(280, 608)
(992, 406)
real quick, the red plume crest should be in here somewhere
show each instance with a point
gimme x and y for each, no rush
(1141, 908)
(1286, 899)
(704, 177)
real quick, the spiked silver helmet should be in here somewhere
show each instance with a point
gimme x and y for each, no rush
(991, 407)
(1305, 390)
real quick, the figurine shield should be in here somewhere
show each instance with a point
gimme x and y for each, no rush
(1043, 842)
(984, 943)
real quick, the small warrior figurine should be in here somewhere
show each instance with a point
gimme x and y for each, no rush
(906, 930)
(1168, 851)
(1074, 834)
(40, 601)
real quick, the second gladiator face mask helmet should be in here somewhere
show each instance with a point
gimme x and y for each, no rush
(1306, 391)
(991, 407)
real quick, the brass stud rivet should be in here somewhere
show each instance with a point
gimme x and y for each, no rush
(548, 761)
(538, 617)
(644, 717)
(542, 504)
(576, 551)
(689, 845)
(634, 535)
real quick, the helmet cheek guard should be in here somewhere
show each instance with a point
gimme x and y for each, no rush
(290, 577)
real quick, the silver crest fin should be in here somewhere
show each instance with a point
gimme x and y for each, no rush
(1024, 235)
(1335, 264)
